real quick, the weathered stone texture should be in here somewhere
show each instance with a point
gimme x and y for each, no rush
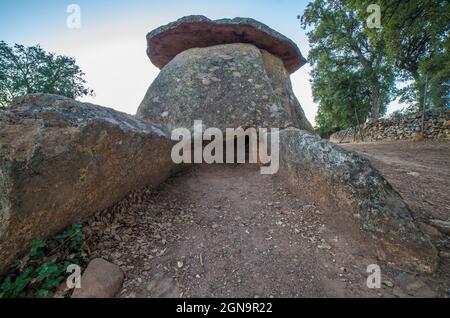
(61, 160)
(436, 127)
(225, 86)
(347, 183)
(166, 42)
(101, 279)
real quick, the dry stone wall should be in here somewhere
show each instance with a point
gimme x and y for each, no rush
(436, 127)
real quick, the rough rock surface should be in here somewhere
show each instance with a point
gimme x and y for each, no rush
(198, 235)
(226, 86)
(442, 226)
(62, 160)
(101, 279)
(358, 193)
(436, 127)
(165, 42)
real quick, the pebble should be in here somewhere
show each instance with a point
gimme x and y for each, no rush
(324, 246)
(388, 283)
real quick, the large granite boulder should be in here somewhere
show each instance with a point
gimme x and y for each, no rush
(226, 74)
(196, 31)
(348, 184)
(225, 86)
(62, 160)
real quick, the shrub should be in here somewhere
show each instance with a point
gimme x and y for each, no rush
(43, 268)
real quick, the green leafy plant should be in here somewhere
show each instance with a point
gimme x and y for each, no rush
(43, 268)
(26, 70)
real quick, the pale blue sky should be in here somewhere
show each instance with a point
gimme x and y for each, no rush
(110, 45)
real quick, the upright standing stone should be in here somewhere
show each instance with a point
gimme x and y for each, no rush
(62, 160)
(235, 73)
(228, 73)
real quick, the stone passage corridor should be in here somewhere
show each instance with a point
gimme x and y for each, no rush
(228, 231)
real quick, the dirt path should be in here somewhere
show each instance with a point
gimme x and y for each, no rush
(420, 171)
(228, 231)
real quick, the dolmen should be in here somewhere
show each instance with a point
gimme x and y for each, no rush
(62, 160)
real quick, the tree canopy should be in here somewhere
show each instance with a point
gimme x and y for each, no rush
(25, 70)
(416, 36)
(351, 74)
(357, 68)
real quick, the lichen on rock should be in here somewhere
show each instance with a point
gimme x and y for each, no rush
(196, 31)
(347, 183)
(62, 160)
(225, 86)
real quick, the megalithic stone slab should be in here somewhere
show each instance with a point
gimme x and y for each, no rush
(166, 42)
(225, 86)
(62, 160)
(347, 182)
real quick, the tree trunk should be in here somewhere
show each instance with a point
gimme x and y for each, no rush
(424, 106)
(376, 103)
(374, 86)
(420, 93)
(361, 134)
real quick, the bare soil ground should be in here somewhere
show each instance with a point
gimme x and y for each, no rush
(419, 171)
(228, 231)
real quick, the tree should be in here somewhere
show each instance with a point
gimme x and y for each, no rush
(25, 70)
(437, 71)
(416, 33)
(343, 96)
(350, 70)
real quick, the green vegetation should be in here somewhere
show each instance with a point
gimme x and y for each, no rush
(356, 69)
(415, 34)
(43, 268)
(25, 70)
